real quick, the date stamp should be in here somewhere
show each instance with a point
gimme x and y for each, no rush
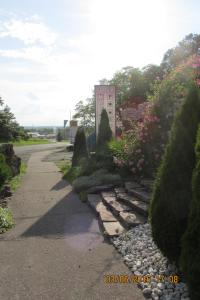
(126, 279)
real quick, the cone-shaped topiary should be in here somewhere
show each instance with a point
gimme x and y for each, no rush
(80, 147)
(172, 190)
(105, 133)
(190, 255)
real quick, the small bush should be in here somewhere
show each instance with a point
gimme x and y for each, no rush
(99, 177)
(172, 191)
(190, 258)
(104, 133)
(6, 219)
(80, 147)
(5, 171)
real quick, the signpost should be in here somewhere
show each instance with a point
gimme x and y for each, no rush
(105, 96)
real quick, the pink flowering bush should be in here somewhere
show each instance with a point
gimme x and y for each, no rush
(141, 148)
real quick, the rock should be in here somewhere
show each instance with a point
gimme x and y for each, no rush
(147, 292)
(13, 161)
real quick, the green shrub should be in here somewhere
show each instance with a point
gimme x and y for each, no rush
(190, 258)
(5, 171)
(172, 191)
(80, 147)
(99, 177)
(6, 219)
(104, 133)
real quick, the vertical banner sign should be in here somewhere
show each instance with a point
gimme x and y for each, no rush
(105, 98)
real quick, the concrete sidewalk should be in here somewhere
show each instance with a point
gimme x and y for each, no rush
(56, 250)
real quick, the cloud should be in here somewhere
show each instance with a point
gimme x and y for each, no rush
(29, 32)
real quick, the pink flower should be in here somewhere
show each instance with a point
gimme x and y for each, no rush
(198, 81)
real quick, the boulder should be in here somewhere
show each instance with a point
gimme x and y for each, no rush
(13, 161)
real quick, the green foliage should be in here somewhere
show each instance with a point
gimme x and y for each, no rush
(5, 171)
(6, 219)
(59, 136)
(190, 259)
(15, 181)
(85, 112)
(80, 147)
(104, 133)
(172, 191)
(9, 128)
(173, 57)
(31, 141)
(99, 177)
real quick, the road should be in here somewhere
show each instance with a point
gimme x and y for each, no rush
(56, 250)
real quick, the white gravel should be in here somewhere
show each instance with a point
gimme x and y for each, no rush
(144, 258)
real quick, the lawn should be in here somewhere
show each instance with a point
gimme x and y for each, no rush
(31, 142)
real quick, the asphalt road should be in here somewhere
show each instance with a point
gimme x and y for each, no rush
(25, 151)
(56, 250)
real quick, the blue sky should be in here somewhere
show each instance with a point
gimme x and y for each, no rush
(52, 52)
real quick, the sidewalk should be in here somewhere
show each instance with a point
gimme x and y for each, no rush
(56, 251)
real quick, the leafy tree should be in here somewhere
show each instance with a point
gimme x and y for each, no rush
(172, 191)
(105, 132)
(85, 112)
(59, 136)
(173, 57)
(9, 128)
(190, 260)
(80, 147)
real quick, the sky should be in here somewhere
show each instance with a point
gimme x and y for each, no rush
(53, 52)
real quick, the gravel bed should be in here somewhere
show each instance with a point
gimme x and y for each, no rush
(151, 270)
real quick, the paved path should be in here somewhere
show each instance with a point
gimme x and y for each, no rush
(56, 251)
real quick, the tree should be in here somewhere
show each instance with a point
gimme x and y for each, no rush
(80, 147)
(104, 133)
(85, 112)
(9, 128)
(173, 57)
(59, 136)
(190, 259)
(172, 191)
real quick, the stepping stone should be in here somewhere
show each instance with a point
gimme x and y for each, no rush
(98, 189)
(137, 190)
(132, 185)
(114, 205)
(148, 183)
(113, 228)
(94, 201)
(137, 205)
(130, 219)
(105, 214)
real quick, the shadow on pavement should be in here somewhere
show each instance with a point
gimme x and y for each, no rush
(60, 185)
(70, 219)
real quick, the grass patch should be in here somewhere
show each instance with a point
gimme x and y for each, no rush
(69, 173)
(31, 142)
(6, 219)
(15, 181)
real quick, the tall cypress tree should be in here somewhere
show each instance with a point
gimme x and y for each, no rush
(172, 190)
(105, 132)
(80, 147)
(190, 255)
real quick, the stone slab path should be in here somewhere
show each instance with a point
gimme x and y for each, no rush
(56, 251)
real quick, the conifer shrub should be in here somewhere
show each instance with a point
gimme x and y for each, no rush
(105, 132)
(190, 258)
(80, 147)
(172, 190)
